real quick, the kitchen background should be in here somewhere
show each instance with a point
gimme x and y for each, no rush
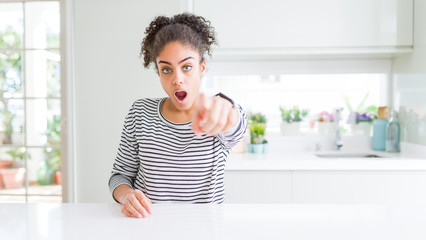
(274, 53)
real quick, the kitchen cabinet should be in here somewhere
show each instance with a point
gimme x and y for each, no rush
(309, 26)
(359, 187)
(325, 187)
(257, 187)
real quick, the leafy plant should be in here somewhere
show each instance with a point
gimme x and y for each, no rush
(257, 126)
(361, 113)
(294, 114)
(257, 117)
(53, 134)
(18, 155)
(257, 133)
(325, 116)
(10, 76)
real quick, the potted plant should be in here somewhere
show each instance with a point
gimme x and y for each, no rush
(361, 118)
(257, 126)
(53, 153)
(325, 123)
(13, 175)
(291, 118)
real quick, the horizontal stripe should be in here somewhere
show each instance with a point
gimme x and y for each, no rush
(167, 162)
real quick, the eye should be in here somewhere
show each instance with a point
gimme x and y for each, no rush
(187, 67)
(166, 70)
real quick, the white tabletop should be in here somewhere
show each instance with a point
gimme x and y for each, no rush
(226, 221)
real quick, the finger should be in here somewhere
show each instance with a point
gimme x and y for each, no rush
(212, 120)
(220, 125)
(126, 212)
(196, 122)
(132, 209)
(138, 207)
(200, 114)
(146, 203)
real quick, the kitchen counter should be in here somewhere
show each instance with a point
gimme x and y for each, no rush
(301, 161)
(205, 221)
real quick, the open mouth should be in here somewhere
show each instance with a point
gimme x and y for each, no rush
(181, 95)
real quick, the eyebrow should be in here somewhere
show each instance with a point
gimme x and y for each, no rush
(183, 60)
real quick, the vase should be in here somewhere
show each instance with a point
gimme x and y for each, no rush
(361, 129)
(44, 174)
(326, 128)
(58, 177)
(290, 129)
(13, 177)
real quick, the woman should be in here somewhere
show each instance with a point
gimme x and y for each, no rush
(174, 149)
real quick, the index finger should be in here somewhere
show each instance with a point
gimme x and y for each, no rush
(146, 203)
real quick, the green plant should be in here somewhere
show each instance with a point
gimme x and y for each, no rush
(53, 134)
(257, 133)
(361, 113)
(257, 126)
(294, 114)
(10, 76)
(257, 117)
(18, 155)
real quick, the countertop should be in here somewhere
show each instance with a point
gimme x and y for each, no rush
(300, 161)
(205, 221)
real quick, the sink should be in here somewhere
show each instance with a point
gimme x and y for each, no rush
(347, 155)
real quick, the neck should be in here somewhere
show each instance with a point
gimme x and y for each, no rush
(171, 113)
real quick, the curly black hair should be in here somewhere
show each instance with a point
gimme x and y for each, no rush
(186, 28)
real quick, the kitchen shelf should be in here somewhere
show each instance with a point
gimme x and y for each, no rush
(223, 54)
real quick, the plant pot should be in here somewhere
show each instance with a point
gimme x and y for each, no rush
(265, 147)
(361, 129)
(3, 164)
(58, 177)
(326, 128)
(290, 129)
(13, 177)
(257, 148)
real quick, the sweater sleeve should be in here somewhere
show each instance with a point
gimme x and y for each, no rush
(234, 135)
(126, 165)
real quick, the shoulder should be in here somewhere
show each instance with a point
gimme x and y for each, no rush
(145, 104)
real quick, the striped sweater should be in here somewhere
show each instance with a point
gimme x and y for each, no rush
(167, 161)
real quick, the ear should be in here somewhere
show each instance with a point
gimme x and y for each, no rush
(203, 67)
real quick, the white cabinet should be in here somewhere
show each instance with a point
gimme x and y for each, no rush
(359, 187)
(257, 187)
(325, 187)
(253, 24)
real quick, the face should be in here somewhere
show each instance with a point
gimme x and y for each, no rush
(180, 73)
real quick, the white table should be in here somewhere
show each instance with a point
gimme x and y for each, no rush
(227, 221)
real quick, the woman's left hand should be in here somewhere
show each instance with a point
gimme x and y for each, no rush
(213, 115)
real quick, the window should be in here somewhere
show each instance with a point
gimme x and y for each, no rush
(30, 102)
(314, 92)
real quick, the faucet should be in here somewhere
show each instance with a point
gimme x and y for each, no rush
(338, 137)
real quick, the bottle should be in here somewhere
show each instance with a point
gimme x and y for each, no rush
(393, 133)
(378, 140)
(44, 174)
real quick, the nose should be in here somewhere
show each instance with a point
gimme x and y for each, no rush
(178, 78)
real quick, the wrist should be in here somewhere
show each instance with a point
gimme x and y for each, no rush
(121, 191)
(226, 98)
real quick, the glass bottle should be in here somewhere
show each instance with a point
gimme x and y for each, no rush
(393, 133)
(44, 174)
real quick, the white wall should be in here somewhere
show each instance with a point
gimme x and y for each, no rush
(109, 76)
(409, 79)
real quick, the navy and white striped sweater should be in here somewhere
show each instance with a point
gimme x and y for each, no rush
(167, 161)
